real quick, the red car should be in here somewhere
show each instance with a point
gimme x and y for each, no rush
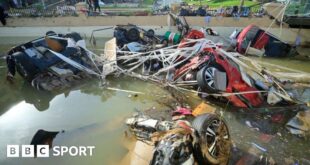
(209, 63)
(255, 37)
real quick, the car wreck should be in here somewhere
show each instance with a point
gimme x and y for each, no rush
(53, 62)
(195, 65)
(134, 38)
(200, 66)
(256, 41)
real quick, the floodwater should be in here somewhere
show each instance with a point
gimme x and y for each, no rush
(94, 116)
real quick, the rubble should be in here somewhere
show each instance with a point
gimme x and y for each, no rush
(300, 124)
(134, 38)
(266, 100)
(205, 141)
(183, 67)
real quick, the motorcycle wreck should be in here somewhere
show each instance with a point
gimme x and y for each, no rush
(204, 140)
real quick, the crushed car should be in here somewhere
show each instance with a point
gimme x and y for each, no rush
(134, 38)
(254, 40)
(53, 62)
(125, 34)
(201, 66)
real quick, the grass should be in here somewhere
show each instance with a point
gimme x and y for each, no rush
(220, 3)
(148, 2)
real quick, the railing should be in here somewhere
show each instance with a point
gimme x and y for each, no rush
(40, 12)
(61, 8)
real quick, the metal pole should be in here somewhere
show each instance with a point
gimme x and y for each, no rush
(43, 3)
(241, 5)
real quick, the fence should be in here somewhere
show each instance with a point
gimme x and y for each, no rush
(66, 8)
(40, 12)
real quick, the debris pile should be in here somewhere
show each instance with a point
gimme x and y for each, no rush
(206, 140)
(185, 62)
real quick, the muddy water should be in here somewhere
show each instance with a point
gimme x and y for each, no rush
(94, 116)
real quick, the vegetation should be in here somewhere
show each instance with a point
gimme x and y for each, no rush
(220, 3)
(148, 2)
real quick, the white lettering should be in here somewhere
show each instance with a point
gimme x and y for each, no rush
(83, 151)
(63, 149)
(91, 150)
(56, 151)
(73, 153)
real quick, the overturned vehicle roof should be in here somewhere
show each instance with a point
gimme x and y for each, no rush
(255, 38)
(53, 62)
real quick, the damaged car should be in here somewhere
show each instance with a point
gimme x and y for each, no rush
(202, 66)
(53, 62)
(256, 41)
(215, 73)
(134, 38)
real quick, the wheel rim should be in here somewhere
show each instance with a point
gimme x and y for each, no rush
(216, 137)
(209, 77)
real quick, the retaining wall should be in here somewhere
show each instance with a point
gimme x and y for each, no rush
(18, 27)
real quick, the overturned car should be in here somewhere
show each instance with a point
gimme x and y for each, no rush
(53, 62)
(256, 41)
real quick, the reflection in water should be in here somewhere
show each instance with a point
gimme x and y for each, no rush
(40, 99)
(72, 110)
(96, 90)
(76, 137)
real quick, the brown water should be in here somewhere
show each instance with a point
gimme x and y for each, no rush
(24, 110)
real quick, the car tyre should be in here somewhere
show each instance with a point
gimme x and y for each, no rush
(133, 35)
(214, 144)
(205, 77)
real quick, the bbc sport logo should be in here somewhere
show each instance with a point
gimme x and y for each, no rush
(43, 151)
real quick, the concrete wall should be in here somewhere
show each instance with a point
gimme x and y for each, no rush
(87, 21)
(27, 27)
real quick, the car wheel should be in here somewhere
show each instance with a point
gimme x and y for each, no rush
(205, 77)
(150, 33)
(214, 145)
(133, 35)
